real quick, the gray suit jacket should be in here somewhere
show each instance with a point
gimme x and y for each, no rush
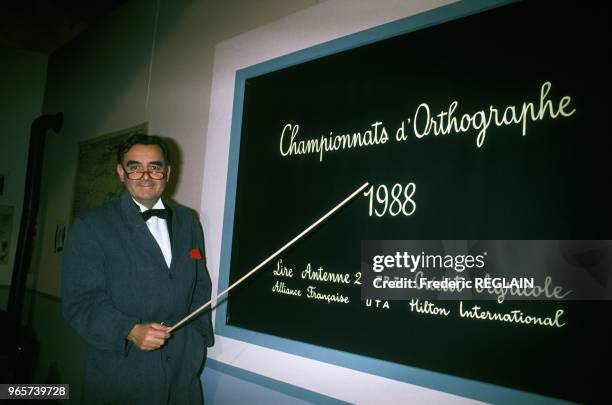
(114, 276)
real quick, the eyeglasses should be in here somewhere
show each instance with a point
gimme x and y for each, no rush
(138, 174)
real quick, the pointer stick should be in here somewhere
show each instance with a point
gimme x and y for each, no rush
(260, 265)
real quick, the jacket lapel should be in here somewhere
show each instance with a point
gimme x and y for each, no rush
(140, 232)
(180, 233)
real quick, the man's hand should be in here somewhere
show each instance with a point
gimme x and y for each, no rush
(149, 336)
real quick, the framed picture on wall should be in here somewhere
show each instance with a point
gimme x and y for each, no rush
(96, 181)
(6, 226)
(60, 237)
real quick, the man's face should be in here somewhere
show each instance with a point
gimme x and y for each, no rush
(144, 158)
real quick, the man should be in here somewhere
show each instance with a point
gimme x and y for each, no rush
(127, 275)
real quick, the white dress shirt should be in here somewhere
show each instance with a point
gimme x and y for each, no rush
(159, 229)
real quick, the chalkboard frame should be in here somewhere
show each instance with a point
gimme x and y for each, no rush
(437, 381)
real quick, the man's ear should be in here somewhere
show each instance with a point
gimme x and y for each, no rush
(120, 173)
(168, 173)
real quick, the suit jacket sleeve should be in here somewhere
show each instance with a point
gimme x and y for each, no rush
(85, 304)
(201, 294)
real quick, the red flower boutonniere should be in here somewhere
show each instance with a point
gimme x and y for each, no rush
(195, 254)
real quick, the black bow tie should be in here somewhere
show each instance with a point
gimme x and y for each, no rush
(162, 213)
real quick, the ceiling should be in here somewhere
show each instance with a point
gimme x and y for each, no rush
(46, 25)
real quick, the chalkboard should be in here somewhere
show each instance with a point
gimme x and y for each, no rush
(443, 112)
